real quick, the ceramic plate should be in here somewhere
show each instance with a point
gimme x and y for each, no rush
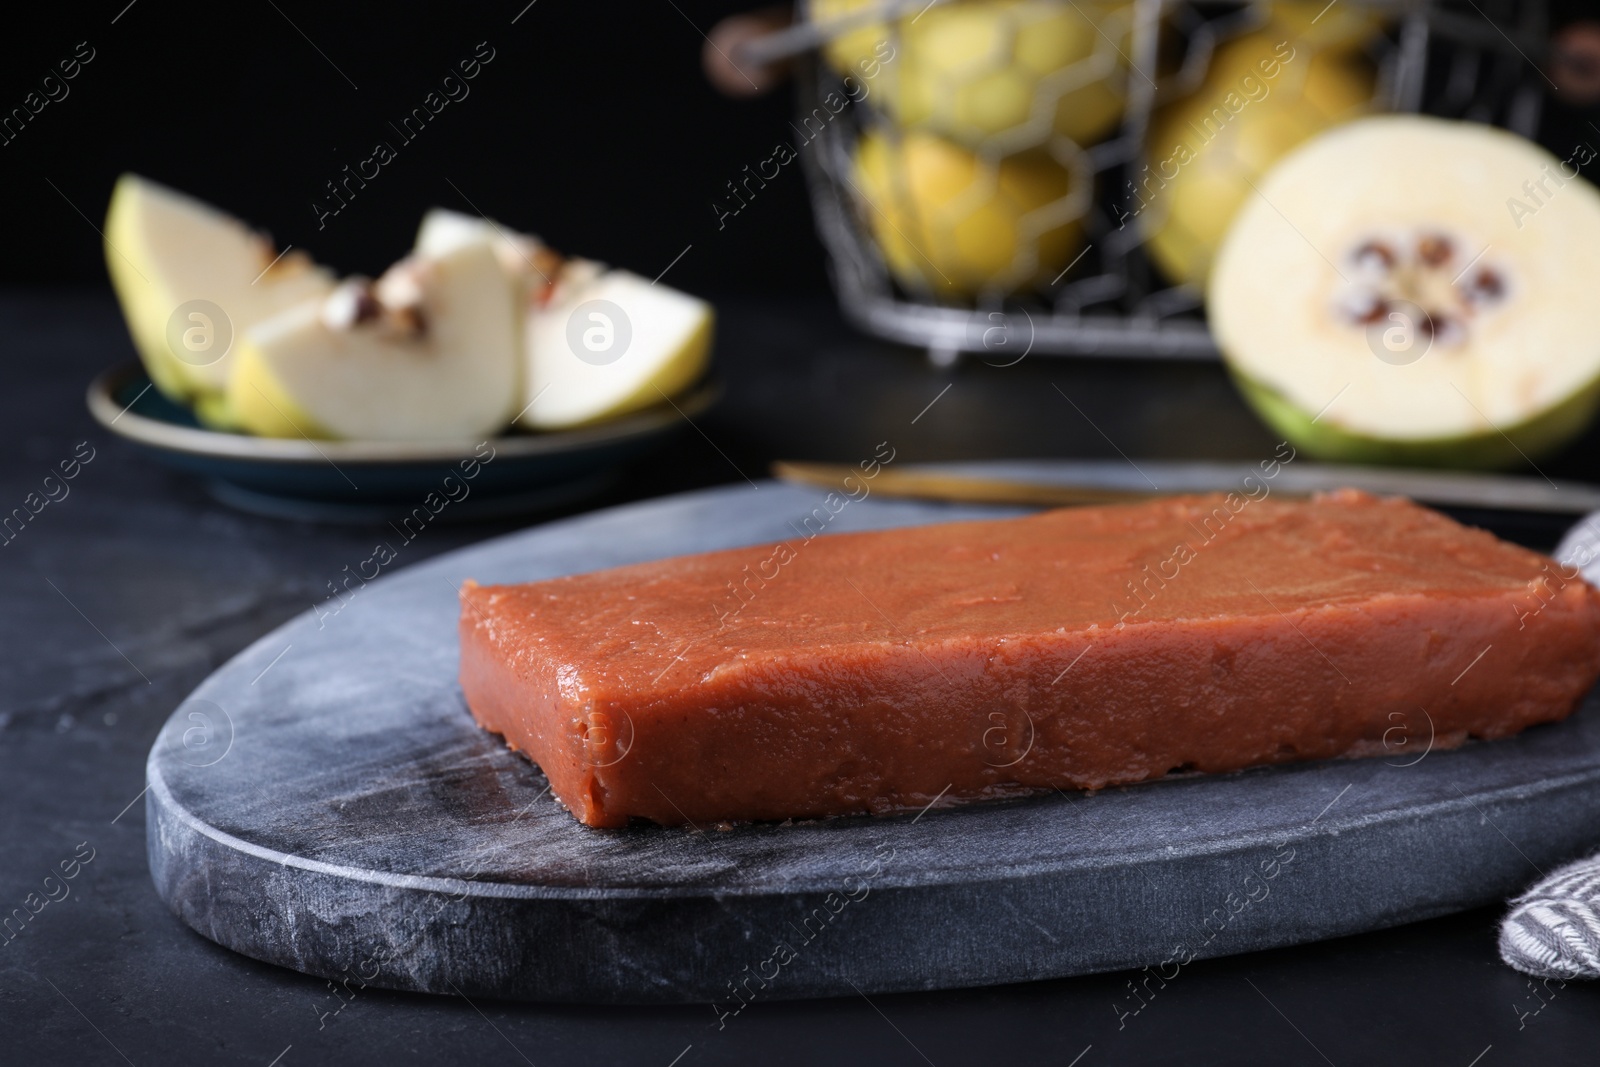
(367, 480)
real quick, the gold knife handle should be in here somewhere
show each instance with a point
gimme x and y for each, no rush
(927, 485)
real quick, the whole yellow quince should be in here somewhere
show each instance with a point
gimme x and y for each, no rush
(954, 224)
(1205, 154)
(972, 70)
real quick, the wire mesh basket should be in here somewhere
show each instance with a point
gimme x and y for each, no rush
(1045, 229)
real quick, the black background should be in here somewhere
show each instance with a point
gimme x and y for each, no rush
(593, 127)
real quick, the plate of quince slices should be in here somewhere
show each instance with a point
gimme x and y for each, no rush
(299, 392)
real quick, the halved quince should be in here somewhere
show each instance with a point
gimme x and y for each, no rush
(1415, 290)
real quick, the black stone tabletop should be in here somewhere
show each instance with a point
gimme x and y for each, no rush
(125, 591)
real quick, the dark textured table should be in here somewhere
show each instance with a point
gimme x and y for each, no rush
(122, 595)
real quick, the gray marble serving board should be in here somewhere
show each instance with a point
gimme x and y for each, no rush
(325, 802)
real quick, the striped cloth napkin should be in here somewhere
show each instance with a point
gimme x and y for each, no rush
(1553, 930)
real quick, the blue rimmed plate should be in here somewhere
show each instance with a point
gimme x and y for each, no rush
(360, 481)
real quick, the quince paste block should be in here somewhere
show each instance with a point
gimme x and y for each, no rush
(1080, 648)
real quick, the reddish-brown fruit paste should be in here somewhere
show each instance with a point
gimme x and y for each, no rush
(1077, 649)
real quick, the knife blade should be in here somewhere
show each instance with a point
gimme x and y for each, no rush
(1066, 483)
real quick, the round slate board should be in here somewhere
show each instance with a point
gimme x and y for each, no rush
(325, 802)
